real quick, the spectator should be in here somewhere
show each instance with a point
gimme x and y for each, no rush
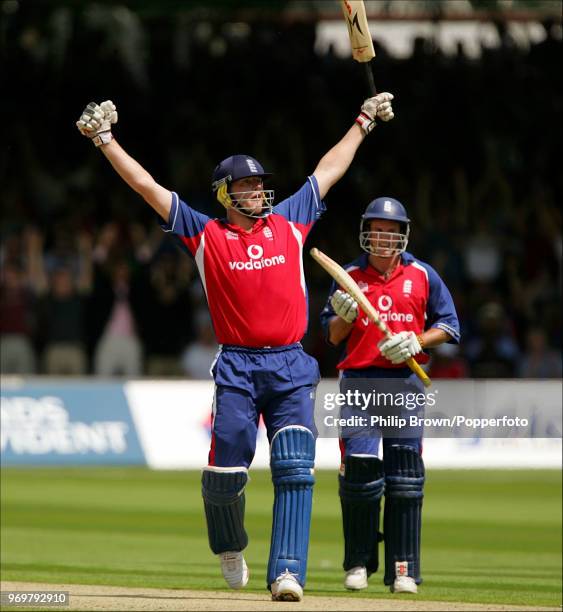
(200, 354)
(482, 254)
(62, 324)
(167, 300)
(62, 311)
(17, 355)
(114, 308)
(492, 352)
(446, 362)
(539, 360)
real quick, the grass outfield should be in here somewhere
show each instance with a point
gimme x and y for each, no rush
(488, 536)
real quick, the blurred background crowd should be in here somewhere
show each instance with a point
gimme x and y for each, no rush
(91, 285)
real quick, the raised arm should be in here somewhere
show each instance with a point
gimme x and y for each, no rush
(95, 123)
(334, 164)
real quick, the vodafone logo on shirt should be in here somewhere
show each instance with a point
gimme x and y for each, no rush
(255, 251)
(256, 260)
(384, 305)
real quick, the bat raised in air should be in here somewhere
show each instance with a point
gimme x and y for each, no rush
(360, 38)
(351, 287)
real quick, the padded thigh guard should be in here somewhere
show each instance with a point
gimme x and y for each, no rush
(361, 488)
(223, 498)
(404, 483)
(292, 457)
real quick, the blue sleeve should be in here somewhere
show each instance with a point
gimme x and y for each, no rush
(187, 223)
(304, 206)
(184, 220)
(440, 309)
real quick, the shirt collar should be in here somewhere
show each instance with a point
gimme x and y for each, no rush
(259, 225)
(405, 260)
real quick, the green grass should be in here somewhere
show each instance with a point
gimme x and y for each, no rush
(488, 536)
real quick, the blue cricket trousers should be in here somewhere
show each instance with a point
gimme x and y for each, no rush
(278, 383)
(376, 444)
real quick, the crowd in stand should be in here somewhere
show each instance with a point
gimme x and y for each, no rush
(91, 285)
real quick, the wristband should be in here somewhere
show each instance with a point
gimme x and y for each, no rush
(102, 138)
(365, 122)
(420, 340)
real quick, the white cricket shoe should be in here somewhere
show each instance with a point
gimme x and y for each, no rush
(404, 584)
(234, 569)
(356, 578)
(286, 588)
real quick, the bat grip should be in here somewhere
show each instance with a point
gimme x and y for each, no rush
(369, 76)
(415, 367)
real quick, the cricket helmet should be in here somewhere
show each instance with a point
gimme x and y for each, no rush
(232, 169)
(385, 244)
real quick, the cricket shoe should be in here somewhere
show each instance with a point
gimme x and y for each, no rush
(286, 588)
(404, 584)
(234, 569)
(356, 579)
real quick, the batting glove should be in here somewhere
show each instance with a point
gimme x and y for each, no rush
(95, 122)
(378, 106)
(344, 305)
(400, 347)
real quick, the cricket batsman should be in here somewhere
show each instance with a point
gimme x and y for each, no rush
(250, 265)
(419, 311)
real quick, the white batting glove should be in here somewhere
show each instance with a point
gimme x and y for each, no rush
(95, 122)
(400, 347)
(378, 106)
(344, 305)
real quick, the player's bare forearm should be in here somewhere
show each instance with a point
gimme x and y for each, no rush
(336, 162)
(138, 178)
(338, 330)
(434, 337)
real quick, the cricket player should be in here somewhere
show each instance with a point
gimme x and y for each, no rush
(250, 264)
(418, 309)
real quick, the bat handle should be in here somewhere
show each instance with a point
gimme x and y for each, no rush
(369, 76)
(415, 367)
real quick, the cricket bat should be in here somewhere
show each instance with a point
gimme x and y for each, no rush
(360, 37)
(351, 287)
